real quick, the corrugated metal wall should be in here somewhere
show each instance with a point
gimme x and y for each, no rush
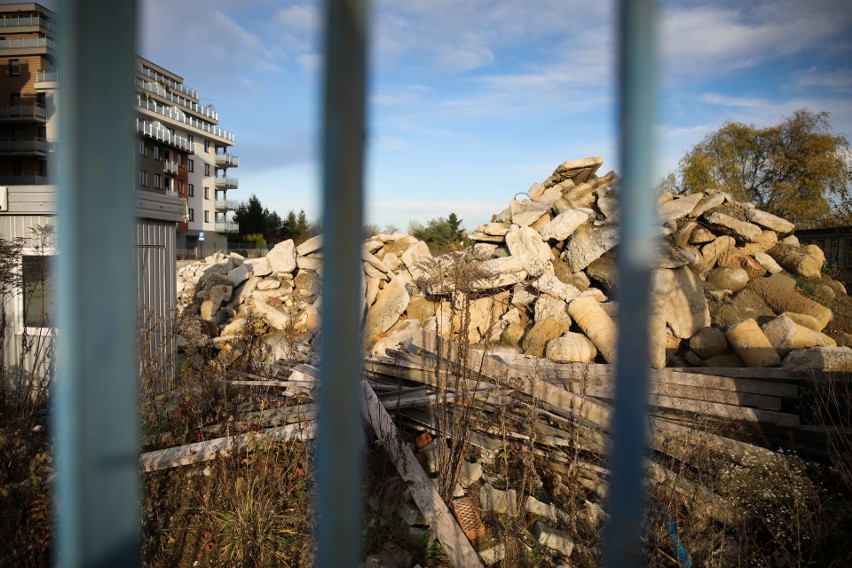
(156, 271)
(13, 227)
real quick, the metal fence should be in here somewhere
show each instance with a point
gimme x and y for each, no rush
(96, 424)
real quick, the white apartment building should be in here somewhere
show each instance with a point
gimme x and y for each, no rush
(193, 152)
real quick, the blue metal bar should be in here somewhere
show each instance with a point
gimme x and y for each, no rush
(339, 449)
(637, 84)
(95, 402)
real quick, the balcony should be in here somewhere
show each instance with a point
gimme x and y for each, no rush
(227, 182)
(227, 161)
(163, 135)
(24, 147)
(227, 205)
(43, 76)
(170, 83)
(178, 115)
(227, 227)
(24, 179)
(159, 90)
(170, 168)
(28, 43)
(27, 22)
(23, 113)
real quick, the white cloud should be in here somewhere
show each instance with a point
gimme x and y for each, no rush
(699, 39)
(834, 80)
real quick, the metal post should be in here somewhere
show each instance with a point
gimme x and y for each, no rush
(637, 83)
(95, 402)
(339, 449)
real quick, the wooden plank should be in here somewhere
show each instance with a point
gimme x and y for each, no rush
(209, 449)
(687, 392)
(595, 413)
(697, 376)
(458, 548)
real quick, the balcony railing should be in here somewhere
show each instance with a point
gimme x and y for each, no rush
(27, 42)
(227, 204)
(27, 22)
(46, 76)
(192, 105)
(170, 168)
(172, 84)
(180, 116)
(24, 146)
(223, 182)
(163, 135)
(227, 161)
(24, 179)
(227, 227)
(23, 112)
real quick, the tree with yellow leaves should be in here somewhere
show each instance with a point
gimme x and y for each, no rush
(798, 169)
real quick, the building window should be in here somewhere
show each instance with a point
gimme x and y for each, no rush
(14, 67)
(158, 180)
(37, 290)
(15, 99)
(190, 190)
(207, 146)
(143, 178)
(180, 186)
(41, 100)
(189, 139)
(180, 160)
(191, 214)
(142, 148)
(206, 193)
(207, 169)
(156, 152)
(206, 216)
(190, 165)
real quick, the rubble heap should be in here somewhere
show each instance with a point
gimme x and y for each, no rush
(541, 277)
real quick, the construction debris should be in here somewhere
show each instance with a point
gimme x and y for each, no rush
(543, 274)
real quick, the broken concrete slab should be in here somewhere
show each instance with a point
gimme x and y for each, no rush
(769, 221)
(787, 335)
(525, 244)
(390, 304)
(563, 225)
(571, 348)
(588, 244)
(596, 324)
(501, 502)
(752, 345)
(554, 539)
(742, 230)
(282, 257)
(683, 304)
(828, 359)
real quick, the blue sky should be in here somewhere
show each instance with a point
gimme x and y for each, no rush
(472, 101)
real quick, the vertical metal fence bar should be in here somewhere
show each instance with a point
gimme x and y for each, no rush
(95, 403)
(339, 449)
(637, 84)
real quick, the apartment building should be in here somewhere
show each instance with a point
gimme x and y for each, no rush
(183, 152)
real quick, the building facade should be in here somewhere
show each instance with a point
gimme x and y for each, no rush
(182, 163)
(183, 152)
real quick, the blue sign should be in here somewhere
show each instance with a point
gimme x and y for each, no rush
(201, 236)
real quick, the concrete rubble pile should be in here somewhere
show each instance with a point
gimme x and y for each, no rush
(541, 279)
